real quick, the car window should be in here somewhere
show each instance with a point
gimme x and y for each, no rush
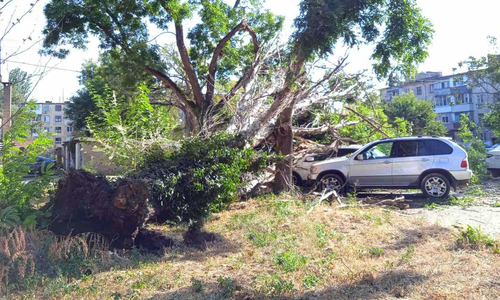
(378, 151)
(406, 148)
(344, 152)
(435, 147)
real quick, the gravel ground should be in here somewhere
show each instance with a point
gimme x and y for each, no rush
(480, 207)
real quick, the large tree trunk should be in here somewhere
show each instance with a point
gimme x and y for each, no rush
(284, 146)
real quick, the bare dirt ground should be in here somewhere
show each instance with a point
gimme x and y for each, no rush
(476, 205)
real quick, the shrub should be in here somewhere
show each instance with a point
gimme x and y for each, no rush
(17, 197)
(289, 261)
(475, 238)
(201, 177)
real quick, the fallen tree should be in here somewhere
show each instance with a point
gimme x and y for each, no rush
(85, 203)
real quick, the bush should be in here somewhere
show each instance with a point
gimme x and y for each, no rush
(201, 177)
(18, 197)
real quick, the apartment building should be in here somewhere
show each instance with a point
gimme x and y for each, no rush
(452, 97)
(53, 119)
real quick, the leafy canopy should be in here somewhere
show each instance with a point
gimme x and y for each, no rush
(397, 28)
(420, 113)
(123, 28)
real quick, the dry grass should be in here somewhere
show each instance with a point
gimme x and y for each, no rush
(272, 248)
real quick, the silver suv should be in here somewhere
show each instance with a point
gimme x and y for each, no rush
(429, 163)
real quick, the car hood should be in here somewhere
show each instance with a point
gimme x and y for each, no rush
(338, 160)
(494, 152)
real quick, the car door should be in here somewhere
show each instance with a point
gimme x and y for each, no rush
(412, 158)
(375, 167)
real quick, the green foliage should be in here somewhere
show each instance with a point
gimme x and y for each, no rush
(474, 146)
(462, 201)
(273, 285)
(310, 281)
(289, 261)
(201, 177)
(124, 129)
(21, 87)
(376, 251)
(401, 45)
(475, 238)
(419, 113)
(15, 193)
(227, 286)
(198, 286)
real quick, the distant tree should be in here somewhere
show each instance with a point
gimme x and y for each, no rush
(483, 73)
(21, 87)
(474, 146)
(419, 113)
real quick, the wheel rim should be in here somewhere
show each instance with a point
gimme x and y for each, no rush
(330, 183)
(435, 187)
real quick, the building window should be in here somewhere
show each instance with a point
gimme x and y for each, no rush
(58, 140)
(431, 88)
(466, 98)
(46, 119)
(46, 108)
(58, 129)
(47, 129)
(69, 129)
(419, 90)
(58, 119)
(38, 117)
(445, 119)
(58, 107)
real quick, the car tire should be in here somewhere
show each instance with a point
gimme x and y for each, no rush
(436, 185)
(329, 181)
(297, 181)
(495, 173)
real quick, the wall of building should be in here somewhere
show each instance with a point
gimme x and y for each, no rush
(54, 120)
(451, 97)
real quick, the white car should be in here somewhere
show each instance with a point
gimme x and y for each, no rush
(493, 161)
(302, 166)
(431, 164)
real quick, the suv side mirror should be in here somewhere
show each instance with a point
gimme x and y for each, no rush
(359, 157)
(310, 159)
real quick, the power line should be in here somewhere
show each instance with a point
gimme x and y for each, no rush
(50, 68)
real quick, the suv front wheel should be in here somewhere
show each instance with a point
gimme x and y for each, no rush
(436, 185)
(330, 182)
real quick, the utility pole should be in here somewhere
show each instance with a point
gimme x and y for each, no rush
(7, 101)
(6, 109)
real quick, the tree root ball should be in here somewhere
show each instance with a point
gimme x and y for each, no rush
(85, 202)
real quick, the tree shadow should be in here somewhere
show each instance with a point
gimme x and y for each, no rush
(397, 284)
(412, 237)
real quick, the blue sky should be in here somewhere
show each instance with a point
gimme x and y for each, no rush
(461, 30)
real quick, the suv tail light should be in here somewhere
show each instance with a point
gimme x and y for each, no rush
(464, 164)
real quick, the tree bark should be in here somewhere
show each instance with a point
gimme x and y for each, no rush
(284, 145)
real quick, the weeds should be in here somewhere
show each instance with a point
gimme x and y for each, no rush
(463, 201)
(227, 286)
(310, 281)
(406, 257)
(476, 239)
(198, 286)
(376, 251)
(476, 190)
(273, 285)
(261, 239)
(289, 261)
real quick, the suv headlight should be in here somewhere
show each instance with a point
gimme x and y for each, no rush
(313, 169)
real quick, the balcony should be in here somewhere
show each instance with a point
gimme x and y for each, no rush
(455, 108)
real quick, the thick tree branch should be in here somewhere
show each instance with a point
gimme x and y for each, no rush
(173, 86)
(218, 54)
(188, 67)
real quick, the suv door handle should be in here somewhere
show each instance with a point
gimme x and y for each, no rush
(387, 162)
(425, 159)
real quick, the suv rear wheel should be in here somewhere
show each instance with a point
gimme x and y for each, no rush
(436, 185)
(331, 182)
